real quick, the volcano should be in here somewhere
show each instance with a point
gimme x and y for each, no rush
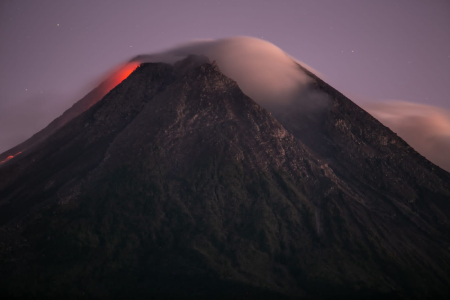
(181, 182)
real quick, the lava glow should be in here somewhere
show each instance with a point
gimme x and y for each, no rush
(120, 75)
(9, 157)
(111, 81)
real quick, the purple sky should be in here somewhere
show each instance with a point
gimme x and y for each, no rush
(370, 50)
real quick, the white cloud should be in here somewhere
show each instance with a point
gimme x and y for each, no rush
(426, 128)
(262, 70)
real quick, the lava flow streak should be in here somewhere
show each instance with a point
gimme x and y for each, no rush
(9, 157)
(119, 76)
(116, 77)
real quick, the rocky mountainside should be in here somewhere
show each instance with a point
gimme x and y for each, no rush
(176, 184)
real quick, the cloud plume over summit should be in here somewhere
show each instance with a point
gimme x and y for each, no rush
(262, 70)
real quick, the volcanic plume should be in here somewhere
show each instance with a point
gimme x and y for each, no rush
(262, 70)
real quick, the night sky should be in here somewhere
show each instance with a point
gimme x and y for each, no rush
(54, 52)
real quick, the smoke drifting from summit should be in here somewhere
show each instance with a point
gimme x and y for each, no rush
(262, 70)
(426, 128)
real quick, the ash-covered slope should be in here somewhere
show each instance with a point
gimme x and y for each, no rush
(177, 184)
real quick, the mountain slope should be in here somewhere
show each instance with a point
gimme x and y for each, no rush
(177, 184)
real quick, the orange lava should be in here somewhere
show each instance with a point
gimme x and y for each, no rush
(9, 157)
(120, 75)
(116, 77)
